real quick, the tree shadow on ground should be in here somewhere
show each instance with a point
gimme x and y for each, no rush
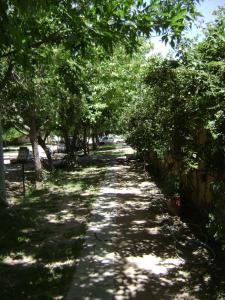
(160, 258)
(41, 235)
(137, 250)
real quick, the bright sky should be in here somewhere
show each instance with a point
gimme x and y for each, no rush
(206, 8)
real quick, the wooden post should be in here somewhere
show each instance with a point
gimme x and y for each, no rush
(23, 177)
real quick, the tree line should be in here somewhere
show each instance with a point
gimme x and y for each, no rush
(47, 50)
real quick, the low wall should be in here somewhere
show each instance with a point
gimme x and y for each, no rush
(199, 201)
(195, 187)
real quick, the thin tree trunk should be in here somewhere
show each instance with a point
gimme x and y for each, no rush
(85, 141)
(67, 141)
(34, 141)
(47, 151)
(74, 146)
(97, 140)
(94, 145)
(3, 201)
(75, 140)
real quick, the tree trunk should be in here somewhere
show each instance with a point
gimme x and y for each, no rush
(34, 141)
(75, 146)
(67, 141)
(94, 142)
(97, 140)
(85, 141)
(3, 201)
(47, 151)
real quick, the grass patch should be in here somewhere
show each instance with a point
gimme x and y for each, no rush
(109, 150)
(42, 235)
(107, 147)
(113, 154)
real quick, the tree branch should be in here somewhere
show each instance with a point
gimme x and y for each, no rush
(46, 40)
(7, 75)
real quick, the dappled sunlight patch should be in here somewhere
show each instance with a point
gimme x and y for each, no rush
(88, 170)
(60, 264)
(139, 222)
(28, 230)
(130, 183)
(58, 297)
(135, 203)
(145, 183)
(87, 193)
(185, 294)
(69, 187)
(155, 191)
(159, 218)
(142, 271)
(151, 263)
(150, 187)
(128, 150)
(153, 230)
(110, 151)
(19, 259)
(60, 218)
(125, 191)
(183, 274)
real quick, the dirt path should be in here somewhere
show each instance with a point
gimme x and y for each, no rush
(135, 250)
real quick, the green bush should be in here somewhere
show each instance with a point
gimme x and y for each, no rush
(11, 134)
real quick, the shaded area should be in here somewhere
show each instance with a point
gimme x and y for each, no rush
(41, 236)
(159, 257)
(133, 248)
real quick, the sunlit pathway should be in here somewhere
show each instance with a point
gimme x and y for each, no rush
(94, 277)
(135, 250)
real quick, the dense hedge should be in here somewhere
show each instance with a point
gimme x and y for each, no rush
(181, 119)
